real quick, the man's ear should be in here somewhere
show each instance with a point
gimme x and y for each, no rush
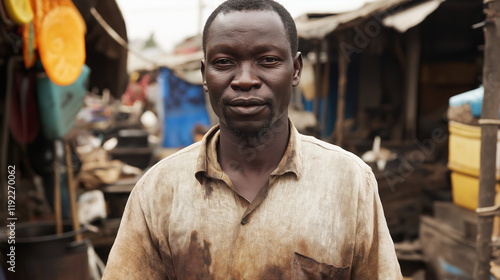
(297, 66)
(205, 88)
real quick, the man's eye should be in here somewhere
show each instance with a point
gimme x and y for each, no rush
(269, 60)
(222, 61)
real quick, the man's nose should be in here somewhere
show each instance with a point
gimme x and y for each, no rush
(246, 78)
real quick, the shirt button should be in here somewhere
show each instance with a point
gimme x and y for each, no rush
(244, 221)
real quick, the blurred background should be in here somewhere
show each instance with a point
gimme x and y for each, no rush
(93, 93)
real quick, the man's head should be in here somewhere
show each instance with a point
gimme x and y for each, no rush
(248, 69)
(255, 5)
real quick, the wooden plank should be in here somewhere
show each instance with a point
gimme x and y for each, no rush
(460, 219)
(445, 250)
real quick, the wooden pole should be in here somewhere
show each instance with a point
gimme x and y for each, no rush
(411, 85)
(72, 192)
(342, 85)
(317, 83)
(324, 92)
(57, 191)
(491, 103)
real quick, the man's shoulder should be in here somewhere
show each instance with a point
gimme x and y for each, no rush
(174, 168)
(179, 161)
(188, 153)
(327, 151)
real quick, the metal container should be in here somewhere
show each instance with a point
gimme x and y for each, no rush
(42, 254)
(133, 138)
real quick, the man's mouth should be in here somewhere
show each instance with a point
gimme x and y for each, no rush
(250, 106)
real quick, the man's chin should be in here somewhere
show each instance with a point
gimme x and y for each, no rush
(249, 129)
(245, 132)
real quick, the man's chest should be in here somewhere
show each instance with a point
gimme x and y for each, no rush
(225, 237)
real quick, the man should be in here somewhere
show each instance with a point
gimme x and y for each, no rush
(254, 199)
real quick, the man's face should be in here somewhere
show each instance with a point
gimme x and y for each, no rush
(249, 71)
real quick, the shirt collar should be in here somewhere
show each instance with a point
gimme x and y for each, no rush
(208, 165)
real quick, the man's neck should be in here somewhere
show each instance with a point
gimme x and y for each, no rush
(253, 155)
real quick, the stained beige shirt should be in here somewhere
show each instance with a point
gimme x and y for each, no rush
(319, 217)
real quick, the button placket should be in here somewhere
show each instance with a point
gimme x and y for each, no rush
(255, 203)
(245, 220)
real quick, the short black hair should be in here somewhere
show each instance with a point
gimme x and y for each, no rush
(255, 5)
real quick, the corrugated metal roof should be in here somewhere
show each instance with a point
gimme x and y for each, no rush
(391, 13)
(412, 16)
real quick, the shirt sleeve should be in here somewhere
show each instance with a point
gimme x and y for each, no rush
(135, 253)
(374, 253)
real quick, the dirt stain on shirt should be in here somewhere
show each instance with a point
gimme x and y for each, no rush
(195, 262)
(208, 188)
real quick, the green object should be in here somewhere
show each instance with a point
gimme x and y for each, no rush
(59, 105)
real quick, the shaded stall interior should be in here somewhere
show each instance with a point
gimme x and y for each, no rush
(388, 69)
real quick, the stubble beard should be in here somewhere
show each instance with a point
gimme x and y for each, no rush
(251, 133)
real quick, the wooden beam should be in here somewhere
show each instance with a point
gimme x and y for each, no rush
(317, 82)
(487, 170)
(411, 83)
(57, 189)
(341, 92)
(72, 192)
(325, 85)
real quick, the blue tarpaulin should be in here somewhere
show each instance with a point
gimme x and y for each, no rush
(474, 98)
(183, 108)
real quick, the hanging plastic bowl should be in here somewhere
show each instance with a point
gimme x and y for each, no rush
(19, 11)
(62, 44)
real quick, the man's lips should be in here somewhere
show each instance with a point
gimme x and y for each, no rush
(247, 106)
(247, 102)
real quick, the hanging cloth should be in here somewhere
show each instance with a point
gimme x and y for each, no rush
(24, 123)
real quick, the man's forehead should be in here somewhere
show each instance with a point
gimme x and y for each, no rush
(236, 23)
(231, 18)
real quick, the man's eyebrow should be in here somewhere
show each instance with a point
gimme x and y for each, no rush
(227, 48)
